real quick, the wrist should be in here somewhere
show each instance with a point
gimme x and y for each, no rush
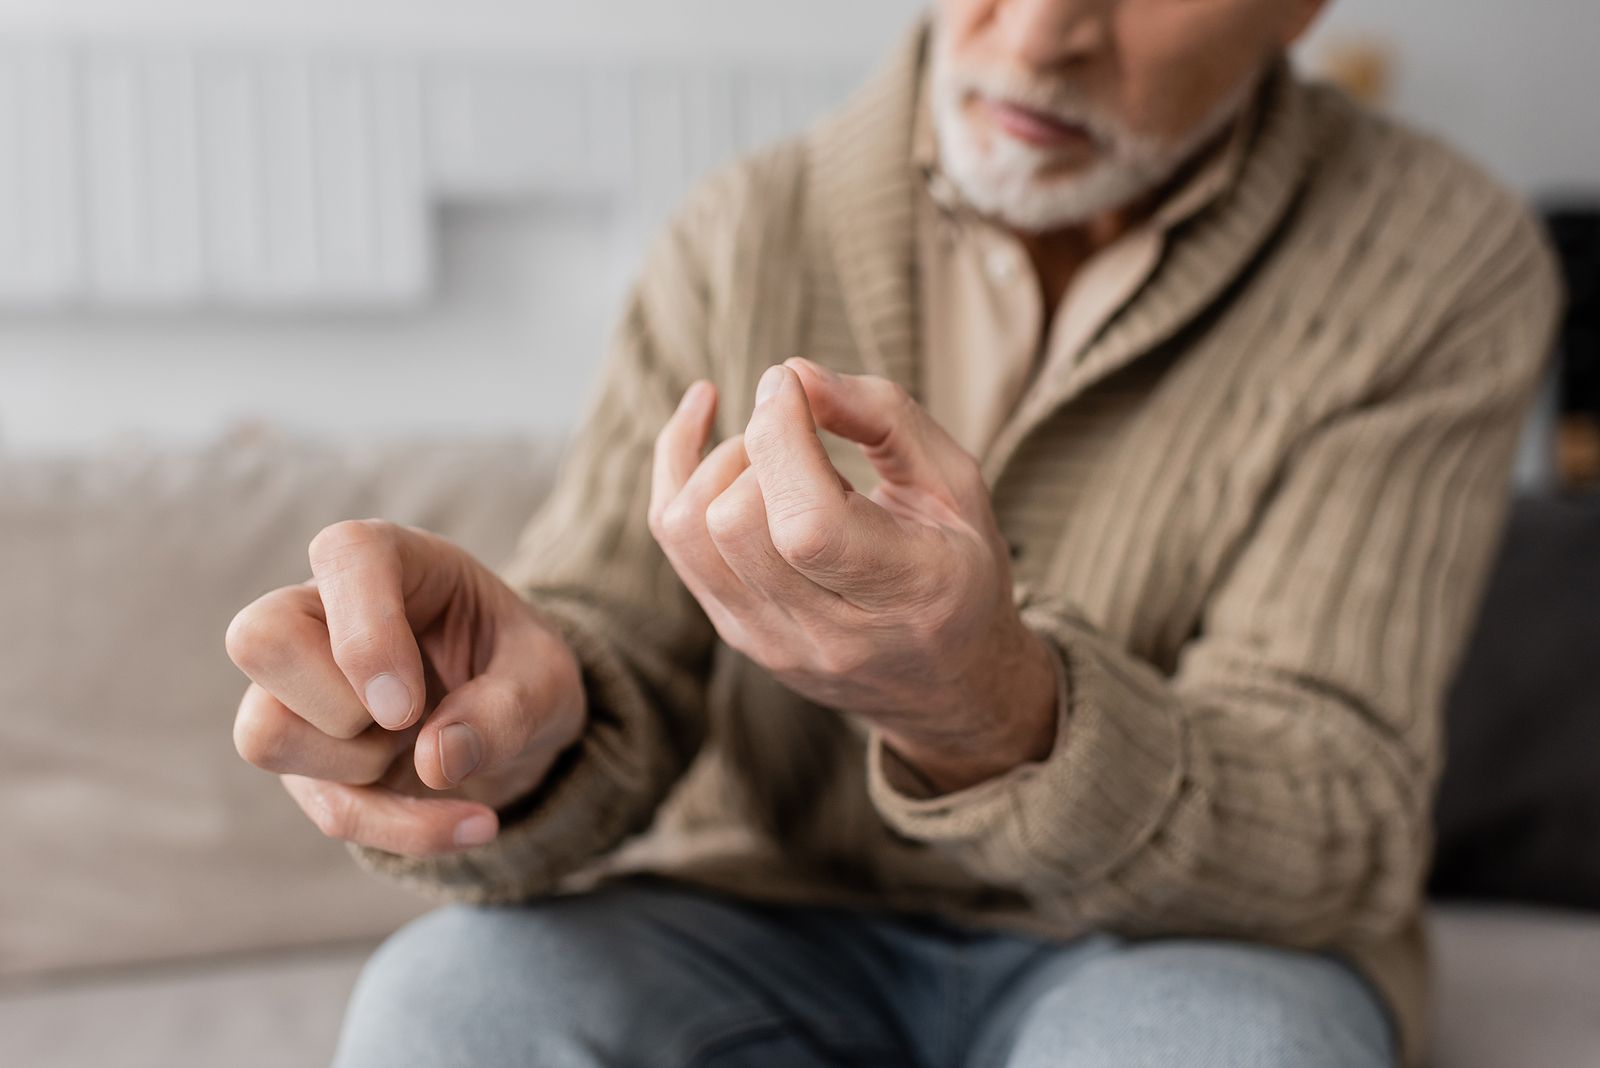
(1013, 725)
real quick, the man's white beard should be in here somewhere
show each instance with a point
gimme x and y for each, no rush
(1000, 176)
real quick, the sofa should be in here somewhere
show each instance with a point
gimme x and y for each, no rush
(162, 903)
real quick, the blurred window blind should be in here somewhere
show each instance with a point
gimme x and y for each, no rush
(165, 174)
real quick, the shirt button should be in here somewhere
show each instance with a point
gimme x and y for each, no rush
(942, 190)
(1000, 264)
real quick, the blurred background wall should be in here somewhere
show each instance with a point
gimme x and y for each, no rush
(501, 325)
(397, 232)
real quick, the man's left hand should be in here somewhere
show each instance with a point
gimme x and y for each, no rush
(895, 606)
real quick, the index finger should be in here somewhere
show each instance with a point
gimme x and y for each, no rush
(679, 444)
(806, 502)
(377, 580)
(824, 529)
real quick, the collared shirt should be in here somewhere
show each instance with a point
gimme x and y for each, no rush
(983, 325)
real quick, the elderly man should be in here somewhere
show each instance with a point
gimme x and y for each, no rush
(1044, 670)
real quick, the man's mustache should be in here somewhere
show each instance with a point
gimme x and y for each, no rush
(1063, 102)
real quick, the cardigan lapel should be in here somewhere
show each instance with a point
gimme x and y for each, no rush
(862, 178)
(1201, 260)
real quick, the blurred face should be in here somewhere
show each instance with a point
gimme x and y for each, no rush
(1051, 112)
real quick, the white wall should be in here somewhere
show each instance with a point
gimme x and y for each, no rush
(1516, 83)
(738, 28)
(510, 342)
(529, 291)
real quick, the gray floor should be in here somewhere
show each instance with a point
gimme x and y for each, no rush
(1516, 988)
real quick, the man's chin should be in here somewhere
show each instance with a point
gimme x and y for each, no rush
(1032, 191)
(1039, 204)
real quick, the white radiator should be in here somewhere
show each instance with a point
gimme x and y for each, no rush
(177, 175)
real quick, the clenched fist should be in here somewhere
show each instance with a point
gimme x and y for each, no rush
(404, 692)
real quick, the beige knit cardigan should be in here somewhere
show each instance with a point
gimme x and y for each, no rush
(1253, 518)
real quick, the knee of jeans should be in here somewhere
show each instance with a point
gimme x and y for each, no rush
(433, 988)
(1202, 1004)
(437, 941)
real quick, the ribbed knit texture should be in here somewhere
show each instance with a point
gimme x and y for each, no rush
(1253, 518)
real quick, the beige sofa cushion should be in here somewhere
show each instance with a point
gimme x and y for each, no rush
(129, 828)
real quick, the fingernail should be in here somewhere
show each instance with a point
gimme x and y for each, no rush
(475, 830)
(459, 751)
(768, 386)
(388, 700)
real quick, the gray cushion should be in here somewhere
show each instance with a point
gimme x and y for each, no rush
(130, 830)
(1516, 987)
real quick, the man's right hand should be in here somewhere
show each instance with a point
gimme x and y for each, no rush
(404, 692)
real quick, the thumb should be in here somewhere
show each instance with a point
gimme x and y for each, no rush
(510, 721)
(902, 442)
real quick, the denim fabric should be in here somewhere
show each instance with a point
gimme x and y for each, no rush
(646, 973)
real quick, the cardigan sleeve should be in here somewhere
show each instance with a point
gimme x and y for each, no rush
(588, 563)
(1277, 784)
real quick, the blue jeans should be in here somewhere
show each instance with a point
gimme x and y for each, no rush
(646, 973)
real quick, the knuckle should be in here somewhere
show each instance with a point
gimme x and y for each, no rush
(369, 769)
(678, 522)
(347, 537)
(726, 520)
(805, 539)
(889, 393)
(330, 814)
(258, 637)
(243, 638)
(257, 741)
(842, 660)
(968, 477)
(778, 662)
